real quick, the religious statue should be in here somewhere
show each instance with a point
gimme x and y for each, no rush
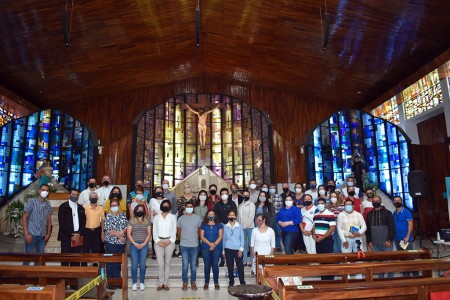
(202, 111)
(44, 173)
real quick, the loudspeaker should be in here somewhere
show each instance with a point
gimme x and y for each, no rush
(416, 183)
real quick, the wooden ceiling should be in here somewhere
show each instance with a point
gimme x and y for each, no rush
(121, 45)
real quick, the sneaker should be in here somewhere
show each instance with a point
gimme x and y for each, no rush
(142, 286)
(134, 287)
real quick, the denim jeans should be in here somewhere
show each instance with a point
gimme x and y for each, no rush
(189, 257)
(382, 248)
(138, 257)
(288, 238)
(37, 246)
(113, 269)
(352, 245)
(247, 243)
(336, 242)
(211, 260)
(276, 228)
(410, 247)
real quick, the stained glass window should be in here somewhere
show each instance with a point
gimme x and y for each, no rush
(422, 95)
(26, 141)
(383, 147)
(6, 114)
(238, 141)
(388, 111)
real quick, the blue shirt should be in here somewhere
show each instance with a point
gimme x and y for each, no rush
(211, 233)
(292, 214)
(401, 224)
(233, 237)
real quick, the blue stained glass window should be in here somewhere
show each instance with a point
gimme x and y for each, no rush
(382, 146)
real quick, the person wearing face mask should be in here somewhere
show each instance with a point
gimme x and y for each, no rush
(155, 209)
(115, 231)
(352, 196)
(164, 234)
(288, 219)
(170, 195)
(139, 198)
(351, 183)
(115, 194)
(350, 226)
(83, 200)
(139, 234)
(95, 221)
(213, 196)
(252, 189)
(277, 202)
(222, 208)
(187, 228)
(331, 186)
(234, 196)
(299, 201)
(104, 191)
(263, 206)
(380, 229)
(367, 202)
(72, 220)
(286, 192)
(312, 190)
(138, 186)
(246, 216)
(324, 226)
(265, 189)
(186, 197)
(201, 207)
(211, 234)
(336, 208)
(263, 239)
(308, 212)
(233, 247)
(322, 192)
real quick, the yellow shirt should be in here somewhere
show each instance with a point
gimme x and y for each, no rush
(122, 206)
(94, 217)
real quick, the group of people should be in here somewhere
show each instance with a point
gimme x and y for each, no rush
(223, 226)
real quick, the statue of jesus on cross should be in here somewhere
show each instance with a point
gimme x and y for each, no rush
(202, 111)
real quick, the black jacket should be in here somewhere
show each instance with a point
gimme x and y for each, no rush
(65, 219)
(380, 217)
(240, 198)
(269, 211)
(221, 209)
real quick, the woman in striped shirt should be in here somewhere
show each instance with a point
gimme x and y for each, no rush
(335, 207)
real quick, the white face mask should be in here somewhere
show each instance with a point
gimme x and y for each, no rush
(114, 209)
(165, 186)
(252, 186)
(264, 189)
(189, 210)
(43, 194)
(321, 192)
(139, 197)
(298, 190)
(262, 199)
(202, 197)
(321, 207)
(289, 203)
(224, 197)
(333, 200)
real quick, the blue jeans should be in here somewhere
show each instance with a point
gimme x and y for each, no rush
(247, 243)
(337, 242)
(382, 248)
(113, 270)
(189, 257)
(276, 228)
(352, 245)
(37, 246)
(288, 239)
(410, 247)
(138, 257)
(211, 260)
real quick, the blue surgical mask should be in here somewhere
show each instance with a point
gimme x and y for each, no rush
(348, 208)
(189, 210)
(272, 191)
(321, 207)
(312, 186)
(264, 189)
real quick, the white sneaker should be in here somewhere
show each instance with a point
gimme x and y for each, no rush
(134, 288)
(142, 286)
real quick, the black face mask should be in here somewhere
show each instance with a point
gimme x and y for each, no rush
(246, 198)
(330, 187)
(231, 219)
(158, 194)
(164, 209)
(92, 185)
(106, 183)
(93, 200)
(308, 203)
(376, 204)
(369, 195)
(115, 195)
(212, 192)
(351, 193)
(286, 190)
(398, 204)
(139, 214)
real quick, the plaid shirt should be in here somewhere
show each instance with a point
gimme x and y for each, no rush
(277, 202)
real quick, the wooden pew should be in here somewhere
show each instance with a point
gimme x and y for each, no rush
(44, 258)
(368, 269)
(20, 292)
(334, 258)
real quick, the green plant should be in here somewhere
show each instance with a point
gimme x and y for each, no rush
(14, 214)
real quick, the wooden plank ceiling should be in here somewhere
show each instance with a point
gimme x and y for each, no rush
(121, 45)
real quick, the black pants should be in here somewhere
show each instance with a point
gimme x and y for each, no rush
(231, 256)
(299, 243)
(325, 246)
(66, 248)
(92, 240)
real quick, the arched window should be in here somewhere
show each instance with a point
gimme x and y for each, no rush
(238, 141)
(382, 146)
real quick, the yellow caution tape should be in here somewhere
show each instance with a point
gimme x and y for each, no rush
(274, 295)
(89, 286)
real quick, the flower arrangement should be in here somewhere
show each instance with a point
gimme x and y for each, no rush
(14, 214)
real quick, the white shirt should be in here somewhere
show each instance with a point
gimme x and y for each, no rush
(246, 214)
(314, 195)
(154, 204)
(346, 220)
(263, 242)
(344, 191)
(83, 200)
(74, 207)
(253, 196)
(165, 227)
(103, 194)
(308, 217)
(366, 203)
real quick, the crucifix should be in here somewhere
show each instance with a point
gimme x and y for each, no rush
(202, 110)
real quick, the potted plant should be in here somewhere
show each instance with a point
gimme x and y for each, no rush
(14, 214)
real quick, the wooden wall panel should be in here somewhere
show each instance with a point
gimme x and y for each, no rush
(111, 118)
(433, 130)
